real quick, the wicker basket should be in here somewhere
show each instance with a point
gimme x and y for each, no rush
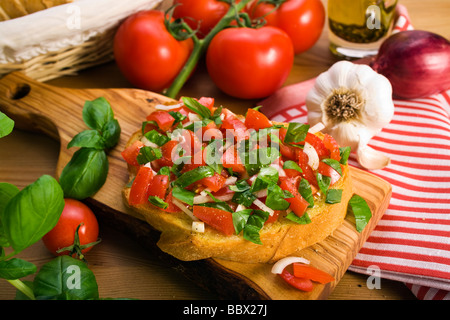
(45, 61)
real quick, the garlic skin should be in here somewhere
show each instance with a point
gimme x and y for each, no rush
(354, 103)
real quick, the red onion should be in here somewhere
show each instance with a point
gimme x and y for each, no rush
(417, 63)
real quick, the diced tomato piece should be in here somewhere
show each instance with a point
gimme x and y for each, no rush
(207, 102)
(318, 145)
(168, 155)
(256, 120)
(218, 219)
(307, 171)
(139, 188)
(231, 159)
(292, 173)
(214, 183)
(273, 217)
(237, 127)
(209, 132)
(309, 272)
(171, 207)
(162, 118)
(158, 186)
(191, 143)
(297, 204)
(331, 144)
(328, 171)
(288, 152)
(131, 152)
(302, 284)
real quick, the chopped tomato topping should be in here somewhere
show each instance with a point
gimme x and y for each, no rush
(139, 188)
(162, 118)
(298, 205)
(256, 120)
(309, 272)
(218, 219)
(158, 186)
(131, 152)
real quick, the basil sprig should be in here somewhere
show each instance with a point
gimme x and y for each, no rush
(86, 172)
(361, 210)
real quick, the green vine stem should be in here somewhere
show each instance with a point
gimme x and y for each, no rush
(200, 46)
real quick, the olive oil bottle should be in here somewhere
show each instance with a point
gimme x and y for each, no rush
(357, 27)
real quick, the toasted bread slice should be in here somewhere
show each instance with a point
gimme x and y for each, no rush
(279, 239)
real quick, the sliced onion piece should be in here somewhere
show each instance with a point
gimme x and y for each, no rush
(317, 127)
(230, 180)
(281, 172)
(198, 226)
(279, 266)
(168, 107)
(184, 209)
(263, 207)
(313, 157)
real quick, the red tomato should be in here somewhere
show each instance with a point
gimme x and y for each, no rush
(250, 63)
(220, 220)
(256, 120)
(302, 284)
(201, 14)
(168, 154)
(162, 118)
(309, 272)
(236, 126)
(333, 146)
(302, 20)
(214, 183)
(318, 145)
(63, 234)
(146, 53)
(328, 171)
(297, 204)
(158, 186)
(130, 153)
(139, 188)
(231, 159)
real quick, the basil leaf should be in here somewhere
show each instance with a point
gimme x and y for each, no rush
(361, 211)
(197, 125)
(254, 224)
(87, 139)
(323, 182)
(97, 113)
(157, 138)
(345, 153)
(266, 176)
(333, 196)
(240, 219)
(304, 219)
(275, 198)
(334, 164)
(65, 278)
(164, 171)
(177, 116)
(158, 202)
(289, 164)
(32, 212)
(223, 204)
(85, 173)
(7, 192)
(16, 268)
(111, 133)
(306, 192)
(148, 154)
(245, 198)
(213, 156)
(257, 158)
(296, 132)
(240, 186)
(194, 175)
(197, 107)
(183, 195)
(6, 125)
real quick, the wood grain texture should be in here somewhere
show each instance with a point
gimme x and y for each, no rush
(57, 112)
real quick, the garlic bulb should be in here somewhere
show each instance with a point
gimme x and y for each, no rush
(354, 103)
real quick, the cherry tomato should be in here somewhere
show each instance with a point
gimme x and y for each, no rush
(201, 14)
(63, 234)
(146, 53)
(302, 20)
(250, 63)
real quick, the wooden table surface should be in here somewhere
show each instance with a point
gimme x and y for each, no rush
(122, 267)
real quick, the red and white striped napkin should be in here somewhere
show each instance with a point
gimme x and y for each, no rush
(411, 243)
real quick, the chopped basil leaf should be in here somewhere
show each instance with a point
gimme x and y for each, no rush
(266, 176)
(213, 156)
(164, 171)
(275, 198)
(323, 182)
(334, 164)
(245, 198)
(221, 204)
(216, 115)
(148, 154)
(194, 175)
(196, 125)
(304, 219)
(305, 191)
(345, 153)
(183, 195)
(177, 116)
(156, 137)
(240, 219)
(145, 123)
(289, 164)
(240, 186)
(333, 196)
(196, 107)
(257, 158)
(254, 224)
(296, 132)
(157, 201)
(361, 211)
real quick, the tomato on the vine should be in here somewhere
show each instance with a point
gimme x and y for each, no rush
(63, 234)
(147, 54)
(250, 63)
(200, 14)
(302, 20)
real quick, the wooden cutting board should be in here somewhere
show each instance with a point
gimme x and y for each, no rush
(57, 112)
